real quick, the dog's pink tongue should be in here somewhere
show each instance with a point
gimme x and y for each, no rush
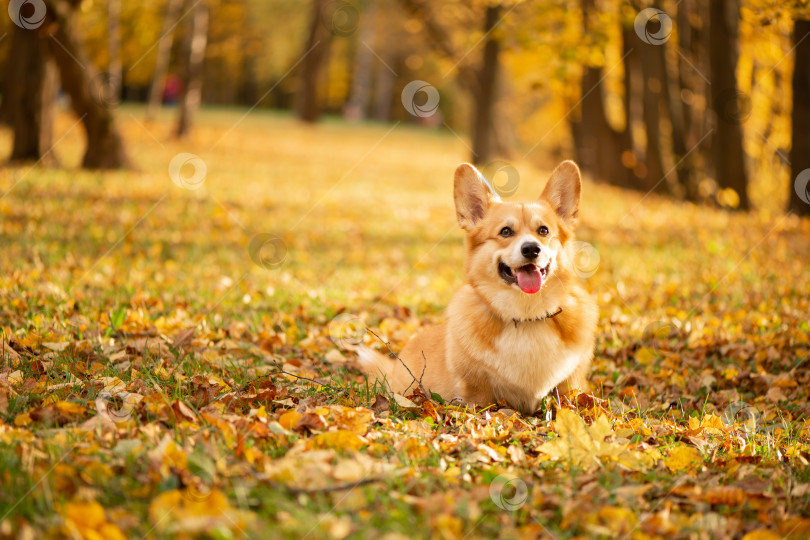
(528, 278)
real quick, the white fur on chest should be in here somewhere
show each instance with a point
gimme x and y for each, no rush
(528, 361)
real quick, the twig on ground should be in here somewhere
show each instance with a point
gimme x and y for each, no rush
(280, 371)
(329, 489)
(305, 379)
(395, 355)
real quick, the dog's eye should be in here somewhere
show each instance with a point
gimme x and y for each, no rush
(543, 230)
(506, 232)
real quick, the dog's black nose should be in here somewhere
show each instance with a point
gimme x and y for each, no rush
(530, 250)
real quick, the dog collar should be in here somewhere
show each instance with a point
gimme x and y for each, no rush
(538, 319)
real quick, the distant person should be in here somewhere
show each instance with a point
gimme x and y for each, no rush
(172, 89)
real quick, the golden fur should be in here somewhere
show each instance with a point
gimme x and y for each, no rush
(481, 354)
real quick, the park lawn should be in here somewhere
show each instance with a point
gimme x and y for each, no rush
(161, 376)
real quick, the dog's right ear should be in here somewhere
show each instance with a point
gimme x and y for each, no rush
(472, 197)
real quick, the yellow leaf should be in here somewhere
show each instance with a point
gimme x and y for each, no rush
(182, 512)
(356, 420)
(415, 449)
(727, 495)
(85, 514)
(15, 377)
(446, 526)
(22, 420)
(289, 419)
(109, 531)
(69, 408)
(584, 445)
(174, 456)
(683, 457)
(341, 439)
(645, 355)
(618, 520)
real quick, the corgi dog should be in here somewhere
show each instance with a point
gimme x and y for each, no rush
(522, 324)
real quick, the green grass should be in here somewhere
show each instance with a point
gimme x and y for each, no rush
(118, 264)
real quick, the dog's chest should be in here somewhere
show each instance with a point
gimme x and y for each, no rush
(528, 361)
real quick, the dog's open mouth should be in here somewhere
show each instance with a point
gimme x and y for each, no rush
(528, 278)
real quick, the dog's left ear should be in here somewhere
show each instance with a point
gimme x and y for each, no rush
(563, 191)
(472, 197)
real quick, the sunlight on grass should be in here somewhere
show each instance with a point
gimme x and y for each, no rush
(125, 282)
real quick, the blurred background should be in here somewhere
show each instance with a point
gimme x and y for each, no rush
(706, 101)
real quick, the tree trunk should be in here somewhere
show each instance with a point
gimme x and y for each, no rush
(197, 41)
(164, 49)
(652, 66)
(633, 111)
(687, 82)
(479, 80)
(383, 89)
(703, 119)
(681, 162)
(599, 145)
(249, 94)
(31, 97)
(80, 80)
(356, 106)
(800, 149)
(315, 53)
(485, 96)
(114, 73)
(729, 158)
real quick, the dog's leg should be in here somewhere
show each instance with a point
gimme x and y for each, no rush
(577, 381)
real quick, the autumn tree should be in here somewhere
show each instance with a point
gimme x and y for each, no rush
(686, 95)
(600, 147)
(31, 84)
(728, 155)
(479, 79)
(356, 106)
(36, 56)
(162, 57)
(114, 71)
(82, 83)
(313, 59)
(196, 42)
(800, 149)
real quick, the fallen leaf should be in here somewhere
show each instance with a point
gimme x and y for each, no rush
(339, 440)
(683, 457)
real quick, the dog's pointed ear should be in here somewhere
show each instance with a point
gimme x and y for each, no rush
(563, 191)
(472, 197)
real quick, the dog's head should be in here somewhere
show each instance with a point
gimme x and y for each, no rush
(515, 249)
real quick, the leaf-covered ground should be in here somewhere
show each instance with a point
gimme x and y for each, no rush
(177, 362)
